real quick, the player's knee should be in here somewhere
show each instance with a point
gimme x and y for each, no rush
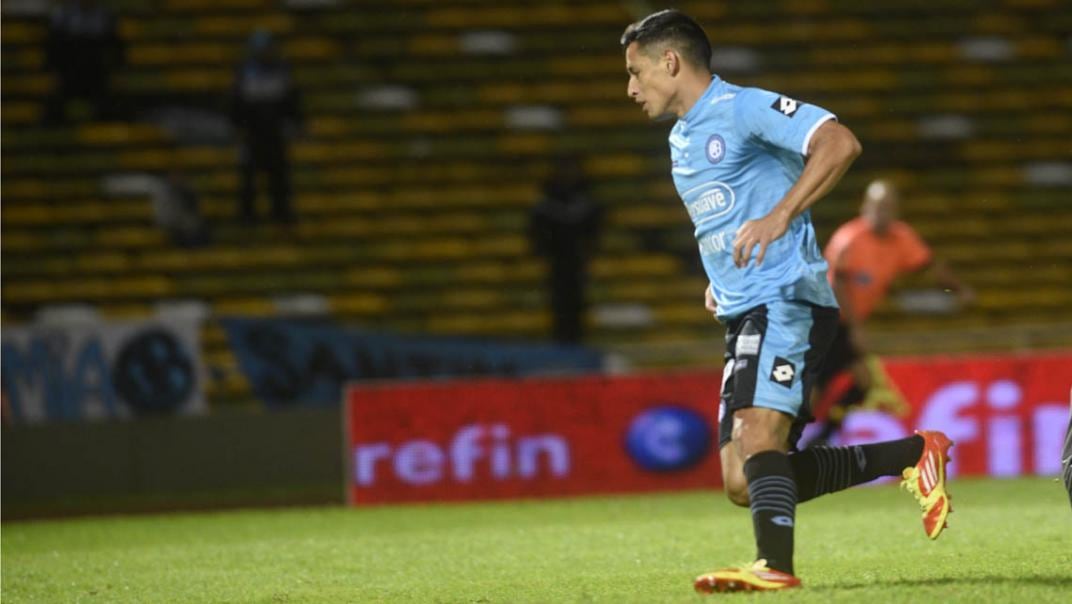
(761, 430)
(757, 442)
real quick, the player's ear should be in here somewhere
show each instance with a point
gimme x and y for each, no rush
(671, 62)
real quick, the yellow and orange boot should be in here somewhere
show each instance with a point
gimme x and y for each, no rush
(754, 577)
(926, 481)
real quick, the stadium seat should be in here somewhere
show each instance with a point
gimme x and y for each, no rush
(428, 200)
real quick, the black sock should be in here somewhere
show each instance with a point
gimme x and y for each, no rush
(822, 470)
(773, 496)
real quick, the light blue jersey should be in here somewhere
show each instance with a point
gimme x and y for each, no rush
(735, 154)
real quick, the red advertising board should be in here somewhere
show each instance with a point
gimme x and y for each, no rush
(490, 439)
(1006, 414)
(530, 438)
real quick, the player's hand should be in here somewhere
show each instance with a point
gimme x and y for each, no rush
(709, 300)
(759, 232)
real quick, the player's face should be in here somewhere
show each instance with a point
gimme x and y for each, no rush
(881, 212)
(650, 84)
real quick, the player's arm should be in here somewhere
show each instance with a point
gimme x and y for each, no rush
(918, 257)
(831, 151)
(942, 274)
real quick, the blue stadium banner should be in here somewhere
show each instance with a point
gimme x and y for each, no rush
(289, 362)
(102, 371)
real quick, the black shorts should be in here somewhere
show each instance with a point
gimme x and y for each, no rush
(841, 356)
(774, 353)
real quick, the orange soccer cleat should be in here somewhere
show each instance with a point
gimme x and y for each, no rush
(926, 481)
(754, 577)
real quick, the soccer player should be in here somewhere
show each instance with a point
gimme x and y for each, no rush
(748, 164)
(1066, 455)
(866, 254)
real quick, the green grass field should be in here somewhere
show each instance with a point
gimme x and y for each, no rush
(1009, 541)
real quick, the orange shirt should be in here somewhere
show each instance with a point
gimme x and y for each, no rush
(869, 263)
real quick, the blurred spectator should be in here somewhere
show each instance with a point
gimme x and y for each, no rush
(83, 49)
(265, 111)
(866, 255)
(564, 229)
(177, 209)
(176, 205)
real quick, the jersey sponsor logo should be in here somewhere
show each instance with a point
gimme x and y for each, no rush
(714, 243)
(716, 149)
(786, 106)
(716, 199)
(783, 372)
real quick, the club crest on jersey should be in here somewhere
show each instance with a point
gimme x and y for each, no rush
(716, 149)
(786, 106)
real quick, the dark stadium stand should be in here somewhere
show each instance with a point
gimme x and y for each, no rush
(425, 145)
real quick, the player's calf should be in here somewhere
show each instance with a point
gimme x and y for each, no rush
(822, 470)
(738, 494)
(733, 481)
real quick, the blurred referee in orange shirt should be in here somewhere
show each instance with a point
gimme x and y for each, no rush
(866, 255)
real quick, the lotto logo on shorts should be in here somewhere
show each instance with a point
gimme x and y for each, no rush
(783, 372)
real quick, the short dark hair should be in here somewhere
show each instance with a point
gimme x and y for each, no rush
(675, 28)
